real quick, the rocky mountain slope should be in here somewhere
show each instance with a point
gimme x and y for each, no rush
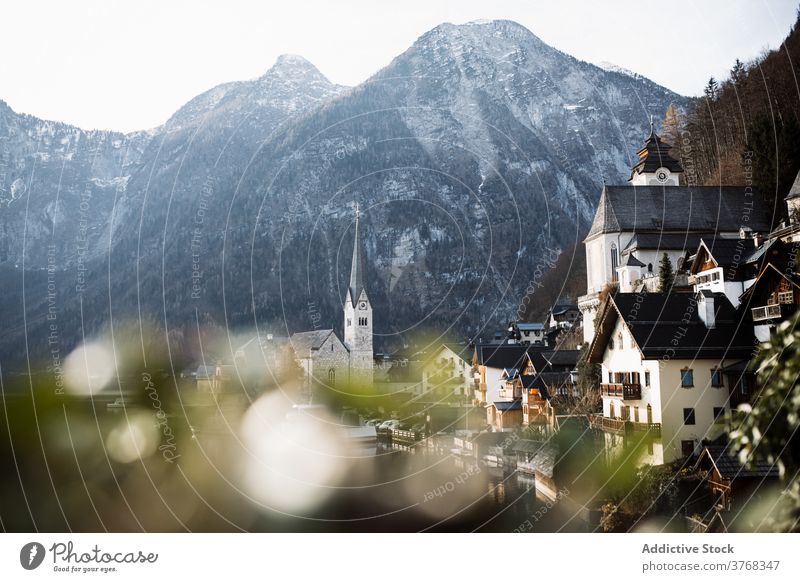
(475, 155)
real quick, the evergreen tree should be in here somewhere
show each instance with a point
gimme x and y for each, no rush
(712, 89)
(666, 276)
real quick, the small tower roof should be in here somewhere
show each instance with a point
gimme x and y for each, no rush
(794, 192)
(633, 262)
(654, 155)
(356, 267)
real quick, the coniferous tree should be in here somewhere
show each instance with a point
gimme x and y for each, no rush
(666, 275)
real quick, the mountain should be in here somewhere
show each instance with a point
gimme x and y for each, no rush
(475, 155)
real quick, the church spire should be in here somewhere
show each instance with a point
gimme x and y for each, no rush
(356, 267)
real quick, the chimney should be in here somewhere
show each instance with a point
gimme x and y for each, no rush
(705, 309)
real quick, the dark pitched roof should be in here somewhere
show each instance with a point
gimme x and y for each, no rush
(654, 155)
(304, 342)
(729, 466)
(560, 308)
(509, 355)
(725, 252)
(504, 406)
(668, 324)
(677, 210)
(632, 261)
(564, 358)
(532, 381)
(665, 242)
(356, 267)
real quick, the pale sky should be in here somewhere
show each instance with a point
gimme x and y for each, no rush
(129, 65)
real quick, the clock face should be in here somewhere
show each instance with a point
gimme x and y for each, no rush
(362, 305)
(662, 175)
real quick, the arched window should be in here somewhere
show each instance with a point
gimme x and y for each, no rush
(614, 261)
(649, 267)
(332, 377)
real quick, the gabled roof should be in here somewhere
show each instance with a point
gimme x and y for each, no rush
(677, 210)
(654, 155)
(510, 373)
(532, 381)
(305, 342)
(504, 406)
(729, 466)
(769, 271)
(560, 308)
(502, 356)
(632, 261)
(669, 325)
(724, 252)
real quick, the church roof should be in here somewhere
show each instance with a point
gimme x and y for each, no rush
(794, 192)
(678, 209)
(356, 266)
(633, 262)
(305, 342)
(663, 242)
(654, 155)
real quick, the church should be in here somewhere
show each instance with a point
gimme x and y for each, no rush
(327, 360)
(653, 214)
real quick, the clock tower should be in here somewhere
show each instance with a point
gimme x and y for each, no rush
(655, 166)
(358, 317)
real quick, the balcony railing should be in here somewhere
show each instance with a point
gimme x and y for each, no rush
(626, 391)
(623, 427)
(766, 312)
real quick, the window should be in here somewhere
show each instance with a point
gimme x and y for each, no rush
(635, 414)
(610, 377)
(716, 378)
(786, 297)
(687, 448)
(719, 413)
(349, 322)
(688, 416)
(619, 340)
(687, 378)
(649, 414)
(331, 346)
(614, 261)
(649, 267)
(611, 343)
(647, 378)
(332, 377)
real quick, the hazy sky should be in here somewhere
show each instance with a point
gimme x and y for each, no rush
(129, 65)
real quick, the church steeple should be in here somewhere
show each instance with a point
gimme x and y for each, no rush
(356, 266)
(655, 166)
(358, 315)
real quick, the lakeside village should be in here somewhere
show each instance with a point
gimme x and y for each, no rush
(648, 369)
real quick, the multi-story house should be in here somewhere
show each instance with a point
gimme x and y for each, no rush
(672, 365)
(448, 372)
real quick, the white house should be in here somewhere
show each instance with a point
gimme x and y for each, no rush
(448, 372)
(672, 366)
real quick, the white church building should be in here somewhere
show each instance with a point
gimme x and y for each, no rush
(325, 359)
(653, 214)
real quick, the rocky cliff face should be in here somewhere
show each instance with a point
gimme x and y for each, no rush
(472, 155)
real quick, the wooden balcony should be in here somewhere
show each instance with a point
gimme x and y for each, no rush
(766, 312)
(623, 427)
(625, 391)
